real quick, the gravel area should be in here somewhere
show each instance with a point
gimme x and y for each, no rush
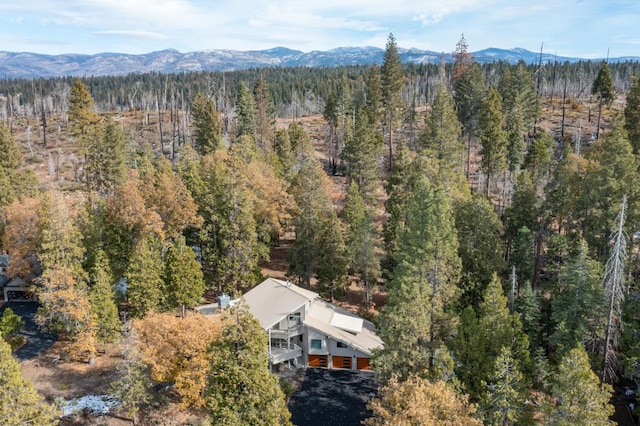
(332, 398)
(36, 341)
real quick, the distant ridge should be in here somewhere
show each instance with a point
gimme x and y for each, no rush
(33, 65)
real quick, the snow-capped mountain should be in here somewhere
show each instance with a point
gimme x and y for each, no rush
(33, 65)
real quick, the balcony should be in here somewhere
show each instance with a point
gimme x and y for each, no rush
(278, 354)
(296, 330)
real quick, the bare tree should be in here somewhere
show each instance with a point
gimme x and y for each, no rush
(614, 290)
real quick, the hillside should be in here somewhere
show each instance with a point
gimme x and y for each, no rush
(33, 66)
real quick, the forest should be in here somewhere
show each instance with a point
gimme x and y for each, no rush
(494, 209)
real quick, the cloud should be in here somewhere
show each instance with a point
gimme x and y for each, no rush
(133, 33)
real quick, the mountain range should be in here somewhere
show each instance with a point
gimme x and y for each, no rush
(33, 65)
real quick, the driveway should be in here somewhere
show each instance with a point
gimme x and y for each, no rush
(332, 398)
(36, 341)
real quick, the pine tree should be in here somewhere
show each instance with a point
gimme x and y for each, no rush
(493, 137)
(481, 338)
(331, 270)
(504, 399)
(11, 157)
(106, 160)
(603, 89)
(245, 110)
(441, 139)
(468, 92)
(265, 114)
(398, 188)
(632, 115)
(102, 300)
(392, 81)
(132, 385)
(361, 153)
(309, 190)
(361, 240)
(577, 310)
(184, 280)
(241, 390)
(207, 125)
(421, 296)
(480, 248)
(83, 118)
(20, 404)
(581, 399)
(538, 156)
(145, 287)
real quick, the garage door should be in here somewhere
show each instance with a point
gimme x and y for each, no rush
(341, 362)
(319, 361)
(363, 364)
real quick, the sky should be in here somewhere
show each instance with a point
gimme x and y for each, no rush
(576, 28)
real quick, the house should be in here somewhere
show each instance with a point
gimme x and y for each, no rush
(12, 288)
(305, 330)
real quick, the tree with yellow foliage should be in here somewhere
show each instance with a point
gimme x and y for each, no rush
(176, 350)
(419, 402)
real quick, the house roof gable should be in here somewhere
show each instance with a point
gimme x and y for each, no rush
(272, 300)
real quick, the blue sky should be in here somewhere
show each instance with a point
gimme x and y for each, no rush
(584, 28)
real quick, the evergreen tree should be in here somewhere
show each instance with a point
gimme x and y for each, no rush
(579, 396)
(504, 399)
(481, 339)
(207, 125)
(441, 139)
(20, 404)
(399, 187)
(418, 311)
(361, 153)
(265, 114)
(493, 137)
(102, 300)
(392, 77)
(528, 306)
(524, 210)
(361, 240)
(83, 118)
(479, 233)
(632, 115)
(538, 156)
(577, 310)
(284, 154)
(331, 270)
(183, 277)
(309, 190)
(11, 157)
(241, 390)
(602, 88)
(145, 290)
(132, 385)
(106, 160)
(468, 92)
(245, 110)
(374, 97)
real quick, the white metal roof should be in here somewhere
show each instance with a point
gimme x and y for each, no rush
(273, 300)
(324, 316)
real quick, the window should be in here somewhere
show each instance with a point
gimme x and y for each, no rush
(316, 344)
(342, 345)
(294, 319)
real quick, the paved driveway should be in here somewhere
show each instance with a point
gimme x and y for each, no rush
(36, 341)
(332, 398)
